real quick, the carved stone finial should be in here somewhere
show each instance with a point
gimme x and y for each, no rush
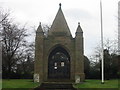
(60, 4)
(39, 23)
(78, 23)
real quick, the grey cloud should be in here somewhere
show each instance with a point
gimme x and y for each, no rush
(78, 14)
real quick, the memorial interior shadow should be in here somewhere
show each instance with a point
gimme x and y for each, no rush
(59, 64)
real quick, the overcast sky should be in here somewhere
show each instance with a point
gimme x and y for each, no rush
(87, 12)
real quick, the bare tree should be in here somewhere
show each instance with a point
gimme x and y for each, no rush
(3, 16)
(12, 40)
(46, 29)
(26, 59)
(110, 55)
(110, 45)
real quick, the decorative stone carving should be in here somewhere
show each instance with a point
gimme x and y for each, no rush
(77, 79)
(36, 77)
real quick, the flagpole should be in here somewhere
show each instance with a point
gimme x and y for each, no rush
(102, 53)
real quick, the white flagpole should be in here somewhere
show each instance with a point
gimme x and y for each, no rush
(102, 54)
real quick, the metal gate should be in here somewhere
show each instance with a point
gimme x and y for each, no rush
(59, 64)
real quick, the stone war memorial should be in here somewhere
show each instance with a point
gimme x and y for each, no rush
(59, 57)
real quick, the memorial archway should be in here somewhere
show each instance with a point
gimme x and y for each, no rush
(58, 56)
(59, 64)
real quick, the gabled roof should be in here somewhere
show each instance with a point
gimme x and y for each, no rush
(59, 24)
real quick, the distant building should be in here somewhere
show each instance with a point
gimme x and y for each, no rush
(59, 57)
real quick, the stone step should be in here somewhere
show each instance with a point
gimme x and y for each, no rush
(55, 86)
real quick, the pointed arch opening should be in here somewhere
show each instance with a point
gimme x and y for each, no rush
(59, 64)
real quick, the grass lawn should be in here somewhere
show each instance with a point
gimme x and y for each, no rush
(19, 83)
(28, 83)
(0, 84)
(97, 84)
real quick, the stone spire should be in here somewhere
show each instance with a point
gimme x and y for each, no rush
(59, 25)
(79, 29)
(39, 29)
